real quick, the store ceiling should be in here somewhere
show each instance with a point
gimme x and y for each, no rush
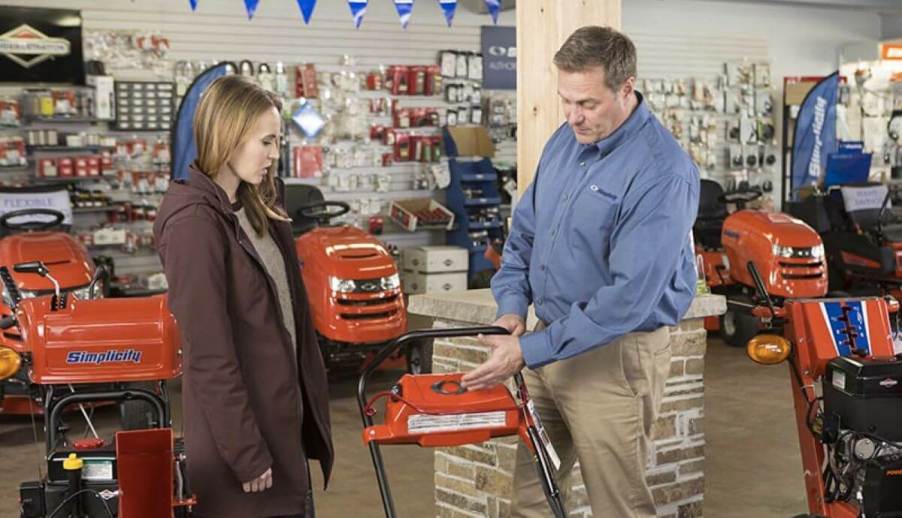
(882, 6)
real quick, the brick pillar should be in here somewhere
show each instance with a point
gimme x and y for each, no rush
(477, 480)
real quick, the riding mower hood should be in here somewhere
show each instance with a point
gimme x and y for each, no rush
(352, 282)
(787, 252)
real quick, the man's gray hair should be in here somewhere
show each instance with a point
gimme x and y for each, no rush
(594, 46)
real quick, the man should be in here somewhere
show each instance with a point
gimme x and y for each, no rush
(600, 244)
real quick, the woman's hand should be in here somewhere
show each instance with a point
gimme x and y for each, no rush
(260, 483)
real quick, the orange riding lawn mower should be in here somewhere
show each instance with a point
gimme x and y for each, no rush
(788, 253)
(353, 286)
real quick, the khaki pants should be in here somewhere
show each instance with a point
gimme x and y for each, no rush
(598, 408)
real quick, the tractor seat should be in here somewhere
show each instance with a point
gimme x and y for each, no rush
(711, 215)
(297, 196)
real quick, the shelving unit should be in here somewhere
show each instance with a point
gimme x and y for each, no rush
(478, 217)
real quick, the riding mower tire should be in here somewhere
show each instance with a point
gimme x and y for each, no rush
(737, 327)
(137, 414)
(419, 357)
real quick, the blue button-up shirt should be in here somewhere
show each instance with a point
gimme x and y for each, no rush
(601, 239)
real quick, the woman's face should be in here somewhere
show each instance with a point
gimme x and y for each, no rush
(253, 158)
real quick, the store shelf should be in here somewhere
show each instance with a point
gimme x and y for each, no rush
(89, 210)
(73, 119)
(475, 202)
(10, 168)
(480, 177)
(67, 179)
(66, 149)
(484, 226)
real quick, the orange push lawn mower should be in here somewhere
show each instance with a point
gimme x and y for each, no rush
(77, 353)
(847, 391)
(433, 410)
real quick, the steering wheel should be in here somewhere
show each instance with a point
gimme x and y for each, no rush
(322, 211)
(26, 226)
(739, 197)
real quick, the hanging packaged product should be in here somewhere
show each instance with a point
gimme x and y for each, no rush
(433, 80)
(308, 162)
(402, 147)
(416, 80)
(305, 81)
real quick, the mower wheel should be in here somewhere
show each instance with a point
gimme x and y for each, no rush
(737, 327)
(137, 414)
(419, 357)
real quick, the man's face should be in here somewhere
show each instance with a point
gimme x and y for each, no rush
(593, 110)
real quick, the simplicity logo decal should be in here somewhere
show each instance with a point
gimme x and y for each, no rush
(111, 356)
(28, 46)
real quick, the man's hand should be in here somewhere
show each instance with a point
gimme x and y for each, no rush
(505, 361)
(260, 483)
(513, 323)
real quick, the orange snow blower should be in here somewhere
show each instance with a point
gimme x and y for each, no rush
(433, 410)
(847, 390)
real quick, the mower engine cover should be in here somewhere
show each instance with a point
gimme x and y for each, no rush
(865, 395)
(100, 341)
(433, 410)
(788, 253)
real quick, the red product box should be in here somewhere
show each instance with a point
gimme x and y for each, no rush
(401, 118)
(66, 166)
(81, 165)
(305, 81)
(308, 161)
(377, 132)
(389, 137)
(106, 161)
(433, 80)
(402, 148)
(398, 79)
(416, 80)
(94, 166)
(47, 167)
(374, 81)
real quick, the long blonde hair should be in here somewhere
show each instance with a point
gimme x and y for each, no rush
(226, 114)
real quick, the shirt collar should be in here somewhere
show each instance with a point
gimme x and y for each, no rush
(629, 127)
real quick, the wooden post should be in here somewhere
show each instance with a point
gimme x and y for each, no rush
(542, 26)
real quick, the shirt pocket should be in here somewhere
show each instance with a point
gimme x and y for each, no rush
(594, 211)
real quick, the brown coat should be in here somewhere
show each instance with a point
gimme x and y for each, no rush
(247, 405)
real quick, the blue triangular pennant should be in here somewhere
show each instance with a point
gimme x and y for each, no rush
(404, 7)
(251, 6)
(358, 9)
(307, 9)
(193, 4)
(448, 7)
(494, 6)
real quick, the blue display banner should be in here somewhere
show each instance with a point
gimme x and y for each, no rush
(448, 7)
(494, 7)
(815, 135)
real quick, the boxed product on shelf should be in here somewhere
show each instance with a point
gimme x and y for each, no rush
(431, 269)
(144, 105)
(307, 162)
(10, 113)
(420, 213)
(12, 152)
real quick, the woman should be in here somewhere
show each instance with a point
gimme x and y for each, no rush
(254, 391)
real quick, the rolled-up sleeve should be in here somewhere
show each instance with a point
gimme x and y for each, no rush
(647, 247)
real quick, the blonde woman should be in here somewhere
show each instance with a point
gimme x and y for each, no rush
(254, 391)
